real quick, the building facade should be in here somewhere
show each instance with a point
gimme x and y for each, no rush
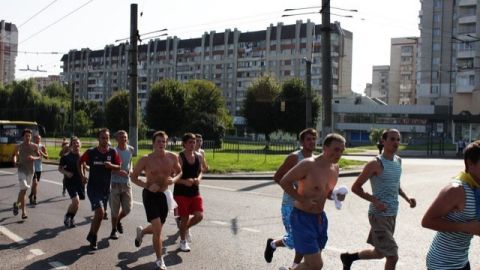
(43, 82)
(403, 76)
(232, 60)
(449, 61)
(380, 82)
(8, 51)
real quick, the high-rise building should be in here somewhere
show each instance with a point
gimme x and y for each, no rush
(43, 82)
(402, 77)
(8, 51)
(232, 60)
(380, 82)
(449, 53)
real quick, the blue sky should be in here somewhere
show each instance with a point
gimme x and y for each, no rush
(100, 22)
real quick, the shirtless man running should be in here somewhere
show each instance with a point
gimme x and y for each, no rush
(318, 177)
(159, 166)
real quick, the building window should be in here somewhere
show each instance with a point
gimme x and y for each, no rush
(434, 89)
(436, 46)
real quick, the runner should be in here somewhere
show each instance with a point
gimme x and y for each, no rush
(316, 178)
(384, 173)
(42, 150)
(454, 215)
(101, 160)
(159, 166)
(73, 181)
(199, 150)
(186, 191)
(121, 189)
(24, 155)
(308, 138)
(64, 150)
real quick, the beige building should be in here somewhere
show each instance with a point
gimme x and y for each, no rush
(8, 51)
(402, 77)
(43, 82)
(232, 60)
(380, 82)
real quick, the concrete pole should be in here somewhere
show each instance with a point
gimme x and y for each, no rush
(132, 109)
(326, 69)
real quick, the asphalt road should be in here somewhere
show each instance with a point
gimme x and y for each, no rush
(239, 216)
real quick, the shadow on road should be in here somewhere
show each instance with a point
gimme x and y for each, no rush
(250, 188)
(67, 258)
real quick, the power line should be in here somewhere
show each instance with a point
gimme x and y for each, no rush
(34, 15)
(57, 21)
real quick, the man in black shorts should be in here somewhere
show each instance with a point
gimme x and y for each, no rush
(101, 160)
(73, 182)
(159, 166)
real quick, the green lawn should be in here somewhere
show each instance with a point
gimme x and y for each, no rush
(220, 162)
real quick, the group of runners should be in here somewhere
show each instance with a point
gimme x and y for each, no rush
(308, 181)
(109, 182)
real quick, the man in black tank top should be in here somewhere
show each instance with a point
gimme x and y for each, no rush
(186, 191)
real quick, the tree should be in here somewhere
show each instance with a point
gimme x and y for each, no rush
(116, 111)
(206, 111)
(375, 135)
(83, 124)
(22, 101)
(258, 107)
(165, 109)
(56, 90)
(292, 119)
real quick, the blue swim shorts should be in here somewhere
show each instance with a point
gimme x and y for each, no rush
(309, 231)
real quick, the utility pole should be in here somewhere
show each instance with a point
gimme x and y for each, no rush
(132, 109)
(72, 88)
(326, 69)
(308, 95)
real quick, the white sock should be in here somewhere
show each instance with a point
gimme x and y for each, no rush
(272, 244)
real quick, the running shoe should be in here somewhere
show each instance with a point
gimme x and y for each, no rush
(15, 208)
(66, 221)
(30, 198)
(183, 246)
(93, 241)
(113, 235)
(161, 264)
(139, 238)
(268, 254)
(72, 223)
(120, 227)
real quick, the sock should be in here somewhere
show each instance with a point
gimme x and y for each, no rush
(273, 245)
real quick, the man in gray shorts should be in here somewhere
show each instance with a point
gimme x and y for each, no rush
(121, 189)
(384, 173)
(27, 153)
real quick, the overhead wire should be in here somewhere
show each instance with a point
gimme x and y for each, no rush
(36, 14)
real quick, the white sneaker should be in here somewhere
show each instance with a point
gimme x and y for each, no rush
(184, 246)
(188, 237)
(139, 237)
(161, 264)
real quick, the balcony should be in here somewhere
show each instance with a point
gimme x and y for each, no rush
(469, 19)
(466, 3)
(466, 54)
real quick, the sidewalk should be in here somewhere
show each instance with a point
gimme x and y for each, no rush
(409, 153)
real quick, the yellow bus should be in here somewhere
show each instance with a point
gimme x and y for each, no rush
(11, 135)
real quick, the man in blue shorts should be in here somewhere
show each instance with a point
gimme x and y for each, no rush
(101, 160)
(73, 181)
(316, 178)
(308, 138)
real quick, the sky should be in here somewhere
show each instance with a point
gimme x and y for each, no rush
(50, 28)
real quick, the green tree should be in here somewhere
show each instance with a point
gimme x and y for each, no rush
(116, 111)
(21, 105)
(375, 135)
(259, 106)
(83, 124)
(206, 111)
(292, 119)
(56, 90)
(165, 109)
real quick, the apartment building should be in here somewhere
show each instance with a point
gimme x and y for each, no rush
(8, 51)
(402, 76)
(43, 82)
(380, 82)
(232, 60)
(449, 51)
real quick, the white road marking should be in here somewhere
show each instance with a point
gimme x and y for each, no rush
(57, 265)
(51, 181)
(250, 230)
(223, 223)
(7, 172)
(15, 238)
(34, 253)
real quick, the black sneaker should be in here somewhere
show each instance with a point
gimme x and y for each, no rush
(268, 254)
(346, 261)
(30, 198)
(34, 200)
(15, 208)
(113, 235)
(93, 241)
(120, 227)
(66, 221)
(72, 223)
